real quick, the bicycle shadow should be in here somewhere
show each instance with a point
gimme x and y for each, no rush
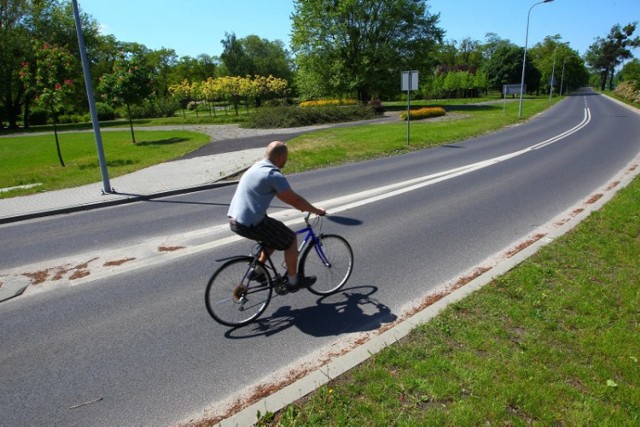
(351, 310)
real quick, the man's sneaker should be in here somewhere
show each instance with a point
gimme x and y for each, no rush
(303, 282)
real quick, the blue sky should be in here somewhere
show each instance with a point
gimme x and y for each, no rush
(192, 27)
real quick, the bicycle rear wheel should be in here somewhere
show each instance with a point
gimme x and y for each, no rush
(331, 262)
(234, 300)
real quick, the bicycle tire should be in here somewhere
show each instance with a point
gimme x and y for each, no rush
(234, 300)
(331, 278)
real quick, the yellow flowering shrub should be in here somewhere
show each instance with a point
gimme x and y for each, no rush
(424, 113)
(329, 102)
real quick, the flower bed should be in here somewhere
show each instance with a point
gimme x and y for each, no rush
(424, 113)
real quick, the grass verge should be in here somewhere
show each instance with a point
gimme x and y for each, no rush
(349, 144)
(556, 341)
(33, 159)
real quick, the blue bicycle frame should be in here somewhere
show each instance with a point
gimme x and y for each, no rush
(311, 235)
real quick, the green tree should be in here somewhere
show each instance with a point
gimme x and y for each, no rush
(505, 67)
(631, 72)
(234, 58)
(49, 80)
(609, 52)
(569, 66)
(129, 83)
(361, 46)
(49, 21)
(13, 49)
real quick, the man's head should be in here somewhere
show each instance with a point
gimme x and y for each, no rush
(277, 153)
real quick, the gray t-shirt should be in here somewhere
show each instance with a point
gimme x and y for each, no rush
(257, 187)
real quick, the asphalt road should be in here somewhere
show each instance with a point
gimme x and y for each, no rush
(135, 346)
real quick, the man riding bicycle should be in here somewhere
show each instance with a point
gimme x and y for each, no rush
(248, 211)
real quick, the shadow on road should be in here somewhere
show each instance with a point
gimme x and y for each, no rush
(351, 310)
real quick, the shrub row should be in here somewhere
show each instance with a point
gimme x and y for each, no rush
(629, 91)
(424, 113)
(284, 117)
(329, 102)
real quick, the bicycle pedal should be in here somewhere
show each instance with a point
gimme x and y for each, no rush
(280, 287)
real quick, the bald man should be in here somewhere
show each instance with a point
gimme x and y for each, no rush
(248, 211)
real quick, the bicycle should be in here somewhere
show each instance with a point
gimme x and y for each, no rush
(240, 290)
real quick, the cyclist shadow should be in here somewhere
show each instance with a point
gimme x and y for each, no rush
(351, 310)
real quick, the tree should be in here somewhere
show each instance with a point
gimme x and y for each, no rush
(12, 53)
(234, 58)
(631, 72)
(605, 54)
(48, 79)
(550, 50)
(361, 46)
(50, 21)
(254, 56)
(129, 83)
(504, 66)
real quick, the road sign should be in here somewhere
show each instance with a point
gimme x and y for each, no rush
(410, 80)
(512, 89)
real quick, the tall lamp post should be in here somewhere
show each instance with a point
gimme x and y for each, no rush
(562, 78)
(106, 185)
(553, 74)
(524, 60)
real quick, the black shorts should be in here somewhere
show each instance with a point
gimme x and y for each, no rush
(273, 233)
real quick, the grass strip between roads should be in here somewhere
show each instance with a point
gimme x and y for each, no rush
(32, 159)
(556, 341)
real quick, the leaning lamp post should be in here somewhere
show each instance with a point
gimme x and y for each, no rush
(524, 59)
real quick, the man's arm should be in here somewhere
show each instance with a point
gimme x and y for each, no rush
(292, 198)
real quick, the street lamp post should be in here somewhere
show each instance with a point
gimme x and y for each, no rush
(562, 78)
(106, 185)
(553, 74)
(524, 60)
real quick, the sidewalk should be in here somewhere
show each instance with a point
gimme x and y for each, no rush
(168, 178)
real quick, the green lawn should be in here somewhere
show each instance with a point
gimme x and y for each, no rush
(339, 145)
(32, 159)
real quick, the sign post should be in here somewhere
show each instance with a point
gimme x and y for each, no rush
(409, 82)
(510, 90)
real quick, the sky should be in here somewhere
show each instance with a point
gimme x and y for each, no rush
(194, 27)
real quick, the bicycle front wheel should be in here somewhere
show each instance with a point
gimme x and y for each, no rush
(233, 299)
(331, 262)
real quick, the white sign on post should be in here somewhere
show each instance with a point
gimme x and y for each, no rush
(410, 80)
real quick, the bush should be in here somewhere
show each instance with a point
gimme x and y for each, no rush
(285, 117)
(74, 118)
(277, 102)
(105, 111)
(629, 91)
(159, 107)
(37, 117)
(424, 113)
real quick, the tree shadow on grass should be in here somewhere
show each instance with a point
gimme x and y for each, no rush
(167, 141)
(110, 163)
